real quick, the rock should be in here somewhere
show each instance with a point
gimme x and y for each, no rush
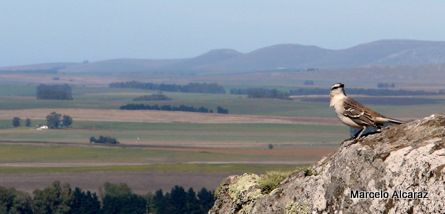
(405, 160)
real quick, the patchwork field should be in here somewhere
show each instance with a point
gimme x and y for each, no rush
(159, 116)
(16, 97)
(161, 152)
(28, 166)
(160, 149)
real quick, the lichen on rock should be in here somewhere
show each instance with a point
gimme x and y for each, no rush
(404, 159)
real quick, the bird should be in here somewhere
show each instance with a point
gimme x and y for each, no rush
(354, 114)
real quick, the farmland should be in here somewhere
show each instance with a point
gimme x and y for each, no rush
(211, 135)
(159, 149)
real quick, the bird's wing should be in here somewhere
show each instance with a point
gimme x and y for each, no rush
(359, 113)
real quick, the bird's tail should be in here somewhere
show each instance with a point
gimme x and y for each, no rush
(390, 120)
(395, 121)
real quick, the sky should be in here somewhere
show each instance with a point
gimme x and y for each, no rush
(77, 30)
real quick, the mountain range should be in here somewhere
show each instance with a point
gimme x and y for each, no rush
(276, 57)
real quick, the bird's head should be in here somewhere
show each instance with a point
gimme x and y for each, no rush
(337, 89)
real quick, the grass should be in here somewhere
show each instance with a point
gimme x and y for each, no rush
(272, 179)
(179, 168)
(179, 132)
(10, 89)
(11, 153)
(5, 124)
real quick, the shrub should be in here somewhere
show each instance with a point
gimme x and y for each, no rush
(13, 201)
(118, 198)
(272, 179)
(67, 121)
(310, 172)
(212, 88)
(16, 122)
(152, 97)
(104, 140)
(55, 198)
(54, 92)
(57, 121)
(28, 122)
(221, 110)
(202, 109)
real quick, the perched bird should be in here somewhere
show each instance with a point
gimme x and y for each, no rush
(354, 114)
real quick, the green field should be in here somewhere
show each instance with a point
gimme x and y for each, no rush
(25, 153)
(23, 97)
(168, 148)
(181, 133)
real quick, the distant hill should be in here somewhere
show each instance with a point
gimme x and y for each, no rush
(204, 61)
(276, 57)
(39, 67)
(122, 66)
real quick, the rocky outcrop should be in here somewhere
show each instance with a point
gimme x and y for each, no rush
(400, 170)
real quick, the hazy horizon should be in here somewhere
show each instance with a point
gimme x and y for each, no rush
(53, 31)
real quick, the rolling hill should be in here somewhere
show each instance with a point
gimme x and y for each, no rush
(276, 57)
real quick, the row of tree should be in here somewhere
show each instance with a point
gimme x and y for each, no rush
(53, 121)
(152, 97)
(113, 199)
(211, 88)
(185, 108)
(179, 201)
(58, 121)
(17, 122)
(54, 92)
(386, 85)
(104, 140)
(365, 91)
(261, 93)
(274, 93)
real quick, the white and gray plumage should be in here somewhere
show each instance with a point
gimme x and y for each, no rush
(354, 114)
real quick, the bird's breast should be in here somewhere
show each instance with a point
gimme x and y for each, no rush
(347, 121)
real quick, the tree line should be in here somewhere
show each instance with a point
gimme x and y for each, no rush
(275, 93)
(261, 93)
(17, 122)
(104, 140)
(53, 121)
(365, 91)
(185, 108)
(152, 97)
(54, 92)
(211, 88)
(58, 121)
(112, 199)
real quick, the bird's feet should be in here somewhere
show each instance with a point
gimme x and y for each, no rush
(351, 138)
(349, 142)
(356, 139)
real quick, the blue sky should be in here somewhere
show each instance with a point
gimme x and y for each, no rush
(77, 30)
